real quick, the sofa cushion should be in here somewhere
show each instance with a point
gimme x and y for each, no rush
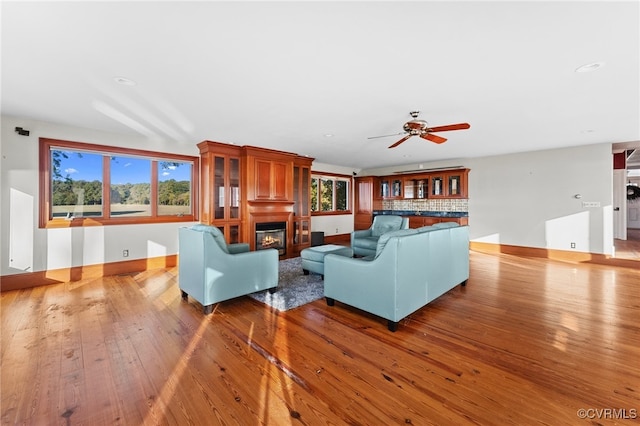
(382, 241)
(427, 228)
(215, 233)
(384, 224)
(445, 225)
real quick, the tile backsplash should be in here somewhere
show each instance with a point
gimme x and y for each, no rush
(440, 205)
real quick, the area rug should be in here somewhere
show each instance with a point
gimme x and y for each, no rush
(294, 288)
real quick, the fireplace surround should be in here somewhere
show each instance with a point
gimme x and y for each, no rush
(272, 235)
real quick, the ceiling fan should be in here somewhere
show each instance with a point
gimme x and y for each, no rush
(421, 128)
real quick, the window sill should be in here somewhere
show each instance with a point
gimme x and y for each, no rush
(84, 221)
(340, 213)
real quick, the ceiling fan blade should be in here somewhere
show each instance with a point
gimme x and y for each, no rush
(433, 138)
(459, 126)
(386, 136)
(400, 141)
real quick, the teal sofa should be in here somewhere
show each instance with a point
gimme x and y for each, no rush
(365, 241)
(211, 271)
(410, 268)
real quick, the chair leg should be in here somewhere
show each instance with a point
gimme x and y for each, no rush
(392, 326)
(207, 309)
(330, 301)
(273, 290)
(305, 272)
(463, 283)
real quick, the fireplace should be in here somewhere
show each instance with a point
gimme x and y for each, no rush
(272, 235)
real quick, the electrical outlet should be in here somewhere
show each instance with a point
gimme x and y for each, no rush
(336, 230)
(573, 245)
(125, 253)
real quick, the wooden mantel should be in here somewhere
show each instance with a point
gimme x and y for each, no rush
(269, 184)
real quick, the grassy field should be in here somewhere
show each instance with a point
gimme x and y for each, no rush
(119, 210)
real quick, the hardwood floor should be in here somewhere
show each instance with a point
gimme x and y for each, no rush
(629, 248)
(527, 341)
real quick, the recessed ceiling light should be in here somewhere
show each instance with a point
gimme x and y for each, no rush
(328, 135)
(124, 81)
(590, 67)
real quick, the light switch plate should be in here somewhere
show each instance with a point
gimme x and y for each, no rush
(588, 204)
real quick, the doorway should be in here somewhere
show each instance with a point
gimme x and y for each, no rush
(626, 212)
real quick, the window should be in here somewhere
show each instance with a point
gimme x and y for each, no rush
(330, 194)
(83, 184)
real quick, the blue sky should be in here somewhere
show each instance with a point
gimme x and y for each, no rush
(123, 169)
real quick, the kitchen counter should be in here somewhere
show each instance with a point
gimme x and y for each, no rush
(420, 213)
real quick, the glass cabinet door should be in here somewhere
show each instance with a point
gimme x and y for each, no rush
(306, 180)
(409, 188)
(421, 188)
(218, 188)
(454, 184)
(234, 184)
(437, 184)
(397, 188)
(296, 191)
(384, 188)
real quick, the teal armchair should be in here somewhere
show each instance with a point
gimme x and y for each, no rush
(211, 271)
(364, 242)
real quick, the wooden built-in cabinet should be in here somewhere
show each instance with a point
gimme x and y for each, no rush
(442, 184)
(243, 186)
(301, 205)
(220, 183)
(419, 221)
(371, 191)
(364, 200)
(269, 174)
(449, 184)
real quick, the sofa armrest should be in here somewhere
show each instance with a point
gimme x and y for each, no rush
(238, 248)
(361, 233)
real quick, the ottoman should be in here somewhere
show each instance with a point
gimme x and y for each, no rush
(313, 257)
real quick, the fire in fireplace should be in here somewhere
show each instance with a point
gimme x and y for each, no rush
(272, 235)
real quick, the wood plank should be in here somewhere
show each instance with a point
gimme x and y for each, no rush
(527, 341)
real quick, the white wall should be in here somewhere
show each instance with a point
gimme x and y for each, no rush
(527, 199)
(524, 199)
(26, 248)
(333, 224)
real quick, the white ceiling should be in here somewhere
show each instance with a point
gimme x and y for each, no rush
(285, 74)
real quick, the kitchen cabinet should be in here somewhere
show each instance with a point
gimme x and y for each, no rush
(419, 221)
(449, 184)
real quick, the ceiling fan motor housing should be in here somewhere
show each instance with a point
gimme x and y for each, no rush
(415, 126)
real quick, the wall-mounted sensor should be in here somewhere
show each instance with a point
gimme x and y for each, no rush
(22, 132)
